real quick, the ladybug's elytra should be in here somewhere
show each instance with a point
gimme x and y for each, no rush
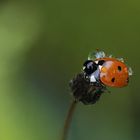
(109, 71)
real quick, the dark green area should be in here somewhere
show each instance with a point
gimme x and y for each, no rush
(43, 44)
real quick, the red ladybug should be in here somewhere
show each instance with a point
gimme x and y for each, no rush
(114, 73)
(108, 71)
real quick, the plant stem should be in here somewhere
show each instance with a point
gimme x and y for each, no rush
(68, 120)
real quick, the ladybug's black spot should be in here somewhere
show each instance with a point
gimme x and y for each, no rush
(119, 68)
(101, 62)
(113, 80)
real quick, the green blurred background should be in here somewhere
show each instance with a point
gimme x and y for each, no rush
(43, 45)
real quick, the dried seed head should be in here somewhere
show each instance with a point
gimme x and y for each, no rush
(85, 91)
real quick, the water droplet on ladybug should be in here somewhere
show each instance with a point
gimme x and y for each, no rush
(130, 71)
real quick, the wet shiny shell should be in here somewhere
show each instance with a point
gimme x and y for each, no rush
(114, 73)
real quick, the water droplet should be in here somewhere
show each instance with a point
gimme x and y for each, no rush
(100, 54)
(91, 56)
(110, 56)
(96, 55)
(130, 71)
(120, 59)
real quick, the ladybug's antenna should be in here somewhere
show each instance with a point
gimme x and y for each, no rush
(68, 120)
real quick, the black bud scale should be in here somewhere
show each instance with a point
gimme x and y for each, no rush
(85, 91)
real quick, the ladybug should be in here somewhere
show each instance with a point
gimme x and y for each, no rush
(108, 71)
(98, 73)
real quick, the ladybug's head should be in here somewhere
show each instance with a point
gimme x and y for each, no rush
(89, 67)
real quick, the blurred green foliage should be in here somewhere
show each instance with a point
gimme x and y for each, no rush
(43, 45)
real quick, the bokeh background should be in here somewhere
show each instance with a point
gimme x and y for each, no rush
(43, 45)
